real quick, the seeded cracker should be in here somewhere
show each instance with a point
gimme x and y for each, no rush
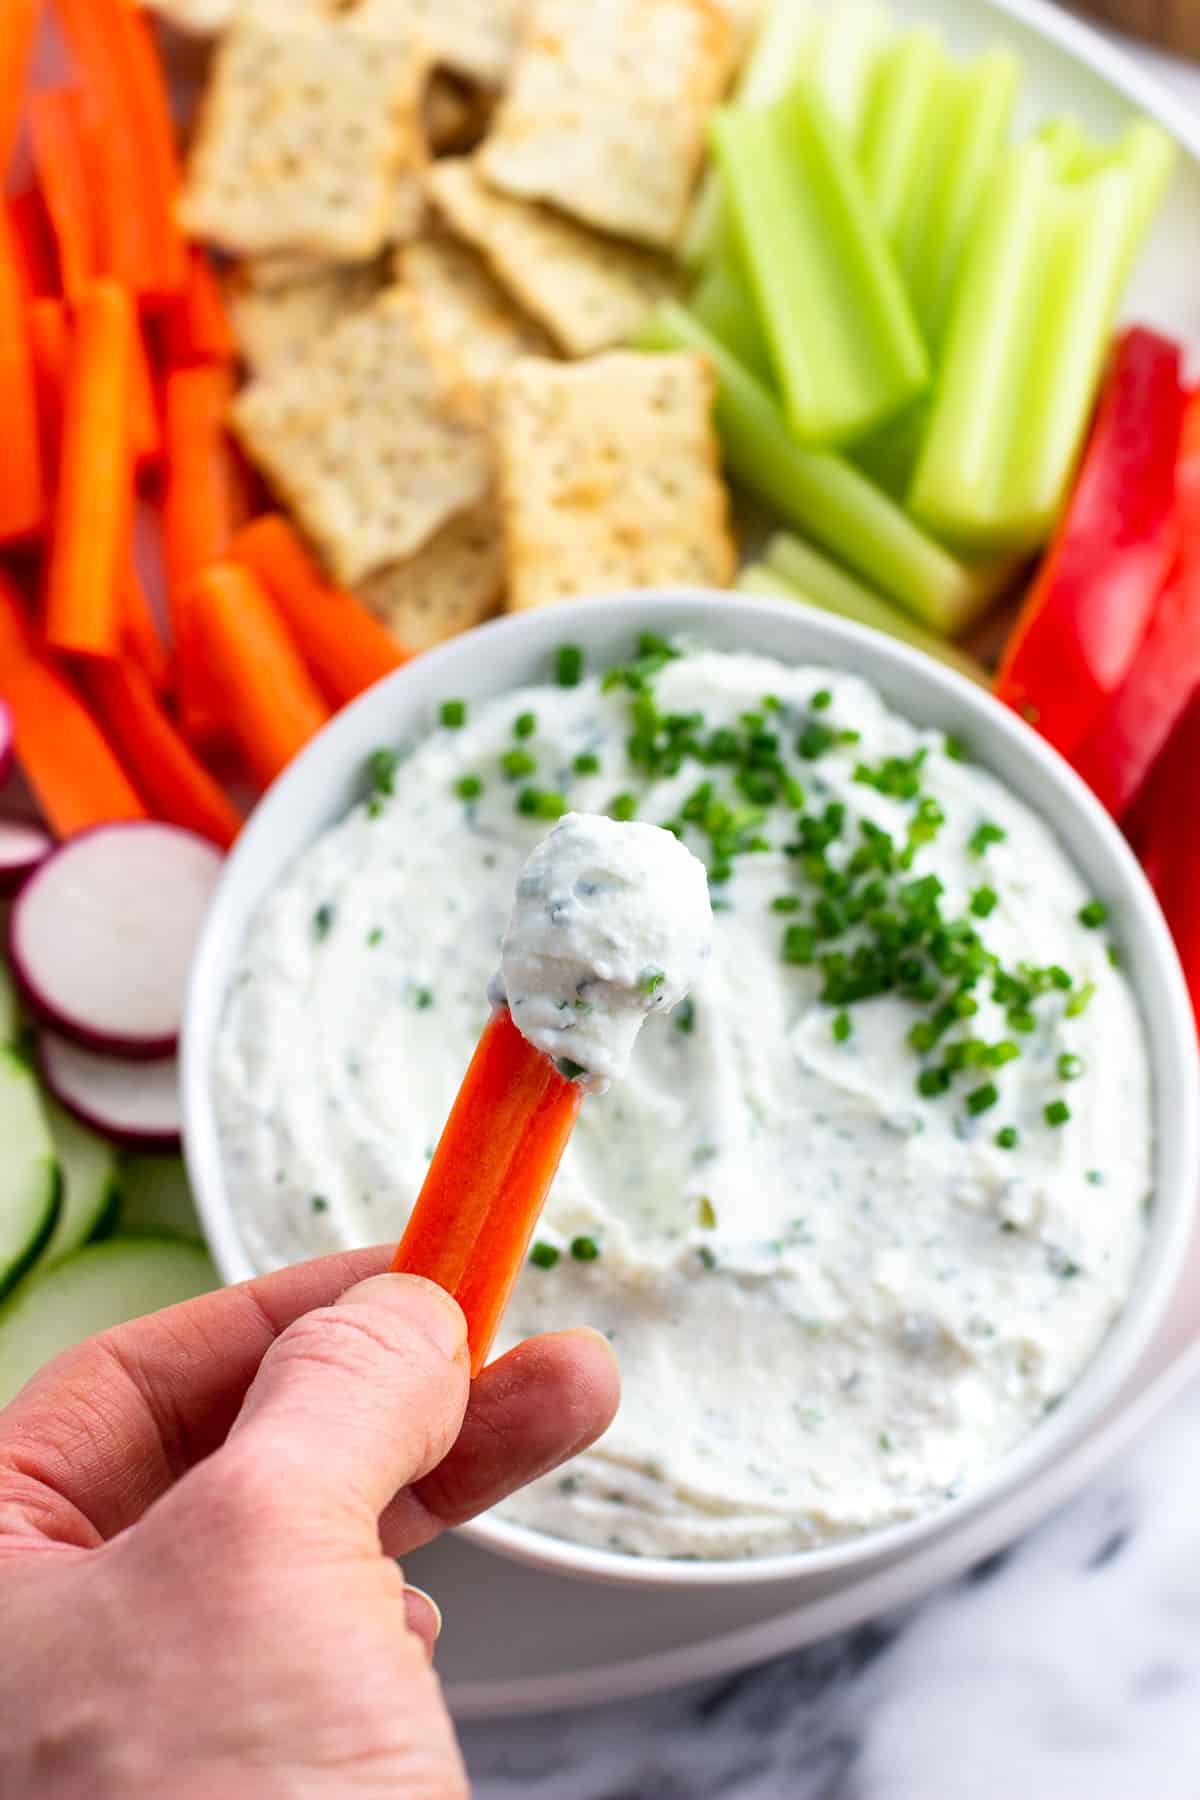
(276, 326)
(465, 313)
(608, 109)
(587, 291)
(306, 131)
(475, 38)
(367, 439)
(609, 477)
(455, 581)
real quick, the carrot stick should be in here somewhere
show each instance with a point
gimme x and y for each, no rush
(345, 648)
(144, 422)
(22, 495)
(58, 157)
(489, 1178)
(75, 778)
(269, 703)
(173, 782)
(33, 244)
(200, 516)
(92, 512)
(50, 343)
(141, 640)
(198, 325)
(145, 88)
(18, 22)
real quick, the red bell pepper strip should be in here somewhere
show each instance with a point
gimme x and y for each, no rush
(1118, 754)
(1088, 610)
(489, 1178)
(1163, 830)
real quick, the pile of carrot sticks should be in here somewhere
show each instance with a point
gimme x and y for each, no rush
(117, 369)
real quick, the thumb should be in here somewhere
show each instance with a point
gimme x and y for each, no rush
(356, 1400)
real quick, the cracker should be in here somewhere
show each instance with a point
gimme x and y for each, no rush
(454, 582)
(276, 326)
(587, 291)
(609, 477)
(200, 18)
(607, 113)
(465, 313)
(475, 38)
(367, 439)
(305, 130)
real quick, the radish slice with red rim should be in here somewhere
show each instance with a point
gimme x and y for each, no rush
(8, 742)
(22, 848)
(102, 934)
(136, 1104)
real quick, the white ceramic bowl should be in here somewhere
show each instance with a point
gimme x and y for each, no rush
(326, 780)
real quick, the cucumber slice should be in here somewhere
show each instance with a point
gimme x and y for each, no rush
(29, 1177)
(89, 1170)
(155, 1197)
(100, 1286)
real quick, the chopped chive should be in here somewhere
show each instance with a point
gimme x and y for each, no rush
(323, 922)
(544, 1256)
(707, 1256)
(623, 807)
(541, 803)
(982, 1098)
(516, 763)
(570, 1071)
(983, 836)
(381, 767)
(842, 1027)
(587, 763)
(785, 903)
(814, 741)
(650, 980)
(568, 665)
(1093, 915)
(799, 945)
(1057, 1113)
(423, 999)
(822, 700)
(954, 748)
(684, 1016)
(984, 902)
(584, 1249)
(375, 937)
(932, 1082)
(1007, 1138)
(1114, 956)
(707, 1213)
(1080, 1000)
(468, 787)
(524, 725)
(1069, 1067)
(454, 714)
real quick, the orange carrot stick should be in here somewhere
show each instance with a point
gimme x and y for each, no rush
(22, 495)
(198, 324)
(92, 512)
(268, 700)
(50, 343)
(75, 778)
(18, 22)
(174, 783)
(141, 640)
(345, 648)
(200, 516)
(491, 1172)
(146, 93)
(33, 244)
(58, 157)
(144, 422)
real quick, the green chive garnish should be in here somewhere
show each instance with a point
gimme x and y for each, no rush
(1007, 1138)
(1069, 1067)
(516, 763)
(543, 1256)
(1057, 1113)
(623, 807)
(568, 666)
(584, 1249)
(454, 714)
(1093, 915)
(587, 763)
(842, 1027)
(468, 787)
(986, 834)
(984, 902)
(524, 725)
(982, 1098)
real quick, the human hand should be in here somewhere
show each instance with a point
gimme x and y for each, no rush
(198, 1514)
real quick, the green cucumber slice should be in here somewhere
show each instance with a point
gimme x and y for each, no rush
(155, 1197)
(89, 1167)
(30, 1185)
(100, 1286)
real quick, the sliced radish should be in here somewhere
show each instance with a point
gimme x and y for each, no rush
(22, 848)
(102, 934)
(134, 1103)
(8, 742)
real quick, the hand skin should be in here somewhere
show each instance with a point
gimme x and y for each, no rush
(198, 1514)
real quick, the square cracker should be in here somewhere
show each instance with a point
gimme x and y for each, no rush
(305, 131)
(465, 313)
(608, 109)
(454, 581)
(589, 292)
(276, 326)
(609, 477)
(475, 38)
(367, 439)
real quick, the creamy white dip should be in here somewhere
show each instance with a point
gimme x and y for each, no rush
(835, 1299)
(611, 922)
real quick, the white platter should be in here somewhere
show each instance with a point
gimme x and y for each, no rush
(521, 1640)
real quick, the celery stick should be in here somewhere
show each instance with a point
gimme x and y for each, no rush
(901, 148)
(1029, 335)
(824, 495)
(836, 48)
(888, 456)
(826, 587)
(839, 325)
(725, 306)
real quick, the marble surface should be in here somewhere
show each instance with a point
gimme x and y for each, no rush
(1067, 1668)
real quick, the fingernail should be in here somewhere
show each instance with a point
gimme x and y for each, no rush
(428, 1620)
(430, 1308)
(595, 1337)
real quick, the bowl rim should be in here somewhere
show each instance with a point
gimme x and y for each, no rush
(489, 660)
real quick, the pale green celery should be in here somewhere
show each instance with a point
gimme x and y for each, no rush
(888, 456)
(724, 305)
(842, 335)
(836, 48)
(795, 570)
(1028, 340)
(824, 496)
(901, 147)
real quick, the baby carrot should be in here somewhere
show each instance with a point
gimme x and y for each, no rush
(267, 698)
(476, 1213)
(200, 514)
(92, 511)
(58, 157)
(345, 648)
(22, 496)
(18, 22)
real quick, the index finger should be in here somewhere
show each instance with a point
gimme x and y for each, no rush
(99, 1434)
